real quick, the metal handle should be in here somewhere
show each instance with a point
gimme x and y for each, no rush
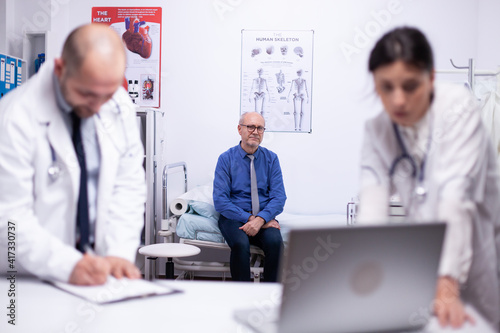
(166, 211)
(470, 73)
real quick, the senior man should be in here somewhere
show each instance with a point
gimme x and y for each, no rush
(249, 194)
(71, 166)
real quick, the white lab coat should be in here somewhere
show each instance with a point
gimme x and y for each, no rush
(462, 182)
(491, 118)
(45, 210)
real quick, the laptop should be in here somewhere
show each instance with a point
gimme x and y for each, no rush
(354, 279)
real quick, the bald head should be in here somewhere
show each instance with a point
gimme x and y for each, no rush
(91, 68)
(95, 40)
(251, 115)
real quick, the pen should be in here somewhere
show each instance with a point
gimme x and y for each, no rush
(88, 250)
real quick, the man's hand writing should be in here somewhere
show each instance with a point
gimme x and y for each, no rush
(90, 271)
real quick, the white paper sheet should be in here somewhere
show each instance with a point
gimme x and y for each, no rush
(116, 290)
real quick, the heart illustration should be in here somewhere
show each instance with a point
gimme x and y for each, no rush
(136, 37)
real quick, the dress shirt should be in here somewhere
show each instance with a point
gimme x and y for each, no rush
(92, 154)
(416, 138)
(232, 195)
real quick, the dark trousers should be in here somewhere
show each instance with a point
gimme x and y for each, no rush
(268, 239)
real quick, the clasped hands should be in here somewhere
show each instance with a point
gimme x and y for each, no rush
(94, 270)
(255, 223)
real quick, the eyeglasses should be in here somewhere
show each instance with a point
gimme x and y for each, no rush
(252, 128)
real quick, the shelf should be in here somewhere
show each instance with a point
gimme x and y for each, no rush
(34, 43)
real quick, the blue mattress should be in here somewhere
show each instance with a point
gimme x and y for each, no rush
(200, 222)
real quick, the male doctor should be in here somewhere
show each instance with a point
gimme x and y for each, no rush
(49, 184)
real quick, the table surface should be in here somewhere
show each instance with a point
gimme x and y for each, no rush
(202, 306)
(169, 250)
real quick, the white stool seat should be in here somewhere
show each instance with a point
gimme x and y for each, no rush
(169, 250)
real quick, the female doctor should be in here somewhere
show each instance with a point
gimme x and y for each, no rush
(430, 147)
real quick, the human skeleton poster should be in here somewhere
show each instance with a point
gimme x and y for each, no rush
(276, 78)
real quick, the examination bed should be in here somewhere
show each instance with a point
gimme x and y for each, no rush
(191, 218)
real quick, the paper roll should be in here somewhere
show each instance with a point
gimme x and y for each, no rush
(178, 206)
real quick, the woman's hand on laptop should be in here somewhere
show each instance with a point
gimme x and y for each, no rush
(448, 306)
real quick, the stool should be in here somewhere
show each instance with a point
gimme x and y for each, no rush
(169, 251)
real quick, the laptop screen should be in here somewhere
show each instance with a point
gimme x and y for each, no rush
(359, 278)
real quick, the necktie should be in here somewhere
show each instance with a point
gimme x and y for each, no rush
(82, 216)
(253, 187)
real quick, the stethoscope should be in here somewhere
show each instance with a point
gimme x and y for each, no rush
(417, 173)
(54, 170)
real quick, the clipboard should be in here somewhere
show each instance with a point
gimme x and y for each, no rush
(116, 290)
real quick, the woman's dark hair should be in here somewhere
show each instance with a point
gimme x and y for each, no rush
(407, 44)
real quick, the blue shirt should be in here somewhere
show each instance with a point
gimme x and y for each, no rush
(232, 197)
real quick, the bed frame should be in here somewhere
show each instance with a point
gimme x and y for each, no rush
(168, 228)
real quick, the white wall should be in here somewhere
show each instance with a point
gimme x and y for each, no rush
(488, 35)
(7, 28)
(3, 26)
(201, 77)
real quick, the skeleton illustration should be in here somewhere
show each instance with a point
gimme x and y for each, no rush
(255, 52)
(259, 92)
(299, 51)
(280, 78)
(299, 88)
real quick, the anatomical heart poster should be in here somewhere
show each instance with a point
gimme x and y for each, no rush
(140, 30)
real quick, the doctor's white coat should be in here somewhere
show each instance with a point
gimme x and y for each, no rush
(44, 210)
(462, 185)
